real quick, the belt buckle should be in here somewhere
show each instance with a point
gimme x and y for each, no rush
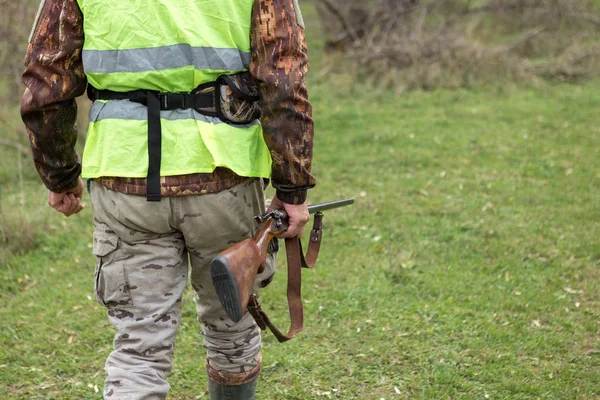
(171, 101)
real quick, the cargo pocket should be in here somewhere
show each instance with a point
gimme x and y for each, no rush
(111, 287)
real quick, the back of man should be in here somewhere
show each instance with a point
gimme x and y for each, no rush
(172, 177)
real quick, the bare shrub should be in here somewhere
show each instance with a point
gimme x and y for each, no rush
(16, 20)
(430, 43)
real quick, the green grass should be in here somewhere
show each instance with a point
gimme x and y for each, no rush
(467, 269)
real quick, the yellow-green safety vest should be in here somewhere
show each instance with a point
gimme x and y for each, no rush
(172, 47)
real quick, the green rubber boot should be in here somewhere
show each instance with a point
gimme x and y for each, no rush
(241, 392)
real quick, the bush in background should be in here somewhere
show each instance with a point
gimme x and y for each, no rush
(16, 20)
(429, 43)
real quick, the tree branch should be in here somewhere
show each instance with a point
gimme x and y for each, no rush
(17, 146)
(334, 9)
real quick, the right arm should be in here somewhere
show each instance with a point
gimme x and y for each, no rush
(279, 65)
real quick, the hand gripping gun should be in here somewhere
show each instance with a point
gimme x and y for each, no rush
(234, 270)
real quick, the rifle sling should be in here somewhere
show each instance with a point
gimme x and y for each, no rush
(296, 260)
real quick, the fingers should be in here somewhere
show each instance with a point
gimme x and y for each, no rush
(298, 217)
(296, 226)
(80, 207)
(65, 203)
(293, 231)
(72, 205)
(55, 200)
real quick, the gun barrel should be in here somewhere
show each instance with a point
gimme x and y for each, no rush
(314, 208)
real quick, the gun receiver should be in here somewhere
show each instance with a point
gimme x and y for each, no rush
(234, 270)
(279, 215)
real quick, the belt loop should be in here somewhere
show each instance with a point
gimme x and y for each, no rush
(186, 101)
(163, 98)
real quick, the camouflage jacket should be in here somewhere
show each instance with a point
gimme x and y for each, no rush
(54, 77)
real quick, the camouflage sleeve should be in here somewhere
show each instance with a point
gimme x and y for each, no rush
(279, 64)
(53, 78)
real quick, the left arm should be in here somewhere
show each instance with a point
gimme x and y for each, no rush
(53, 78)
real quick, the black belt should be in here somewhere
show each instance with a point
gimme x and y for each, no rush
(155, 101)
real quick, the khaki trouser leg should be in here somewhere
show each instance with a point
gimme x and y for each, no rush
(140, 276)
(233, 349)
(141, 273)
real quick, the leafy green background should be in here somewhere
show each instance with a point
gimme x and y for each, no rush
(468, 268)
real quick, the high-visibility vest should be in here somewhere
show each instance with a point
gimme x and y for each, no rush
(172, 47)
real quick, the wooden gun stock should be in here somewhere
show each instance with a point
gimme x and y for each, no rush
(234, 270)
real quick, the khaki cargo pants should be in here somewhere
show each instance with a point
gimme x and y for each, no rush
(142, 251)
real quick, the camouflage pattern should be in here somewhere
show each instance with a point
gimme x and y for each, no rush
(237, 109)
(181, 185)
(279, 63)
(141, 273)
(54, 77)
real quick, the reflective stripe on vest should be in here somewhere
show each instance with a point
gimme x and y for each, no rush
(169, 47)
(125, 109)
(165, 57)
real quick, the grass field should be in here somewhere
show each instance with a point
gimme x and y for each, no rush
(469, 267)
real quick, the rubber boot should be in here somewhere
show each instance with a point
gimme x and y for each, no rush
(241, 392)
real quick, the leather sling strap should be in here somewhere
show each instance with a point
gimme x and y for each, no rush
(296, 260)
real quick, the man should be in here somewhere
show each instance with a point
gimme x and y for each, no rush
(172, 177)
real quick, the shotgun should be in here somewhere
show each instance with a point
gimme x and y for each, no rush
(234, 270)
